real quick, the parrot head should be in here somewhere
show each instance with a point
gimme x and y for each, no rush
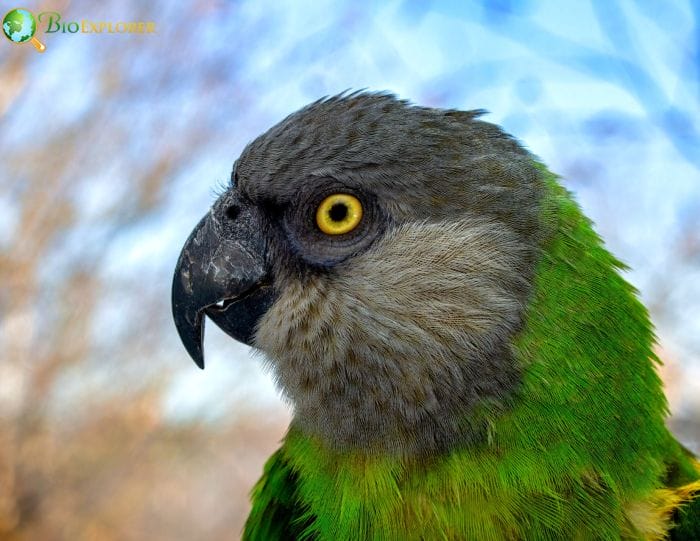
(380, 255)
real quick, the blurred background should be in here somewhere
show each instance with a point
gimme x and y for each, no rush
(113, 146)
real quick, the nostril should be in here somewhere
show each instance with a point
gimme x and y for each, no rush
(232, 212)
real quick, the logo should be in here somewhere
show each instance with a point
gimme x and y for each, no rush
(20, 25)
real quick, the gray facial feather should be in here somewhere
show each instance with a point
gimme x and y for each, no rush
(421, 163)
(405, 346)
(393, 351)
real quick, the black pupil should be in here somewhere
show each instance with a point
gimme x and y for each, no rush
(338, 212)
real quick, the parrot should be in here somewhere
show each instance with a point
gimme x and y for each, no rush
(461, 353)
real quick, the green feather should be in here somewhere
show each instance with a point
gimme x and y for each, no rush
(277, 512)
(583, 439)
(687, 519)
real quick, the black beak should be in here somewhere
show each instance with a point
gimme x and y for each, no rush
(222, 273)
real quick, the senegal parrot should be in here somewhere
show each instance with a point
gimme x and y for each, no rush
(463, 358)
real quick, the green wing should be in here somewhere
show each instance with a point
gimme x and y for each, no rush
(277, 512)
(687, 519)
(682, 471)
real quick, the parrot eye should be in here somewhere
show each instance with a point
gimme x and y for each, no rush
(338, 214)
(330, 222)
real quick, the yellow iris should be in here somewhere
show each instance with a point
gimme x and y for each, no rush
(339, 213)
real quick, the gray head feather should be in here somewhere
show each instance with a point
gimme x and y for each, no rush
(397, 340)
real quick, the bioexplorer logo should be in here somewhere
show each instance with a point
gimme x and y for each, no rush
(20, 26)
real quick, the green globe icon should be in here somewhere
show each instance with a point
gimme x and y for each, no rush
(19, 26)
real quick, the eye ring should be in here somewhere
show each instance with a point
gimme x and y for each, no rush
(338, 214)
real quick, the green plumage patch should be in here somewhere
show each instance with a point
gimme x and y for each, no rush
(277, 509)
(687, 520)
(584, 439)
